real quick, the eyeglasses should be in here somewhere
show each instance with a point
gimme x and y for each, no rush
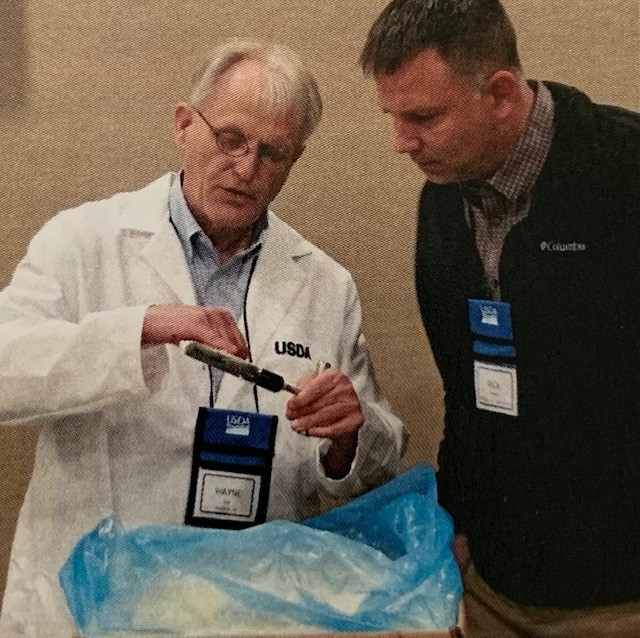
(235, 144)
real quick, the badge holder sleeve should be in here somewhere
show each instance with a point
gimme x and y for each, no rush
(231, 469)
(494, 354)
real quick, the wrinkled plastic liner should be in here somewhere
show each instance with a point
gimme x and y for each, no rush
(382, 562)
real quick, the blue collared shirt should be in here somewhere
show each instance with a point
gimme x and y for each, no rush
(215, 284)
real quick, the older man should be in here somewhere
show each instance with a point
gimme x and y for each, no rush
(89, 324)
(527, 273)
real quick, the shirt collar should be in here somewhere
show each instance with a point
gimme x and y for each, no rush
(189, 230)
(516, 177)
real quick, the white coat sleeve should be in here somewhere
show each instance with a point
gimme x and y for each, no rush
(383, 437)
(54, 362)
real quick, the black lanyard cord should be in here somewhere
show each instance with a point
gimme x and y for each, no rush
(246, 332)
(246, 325)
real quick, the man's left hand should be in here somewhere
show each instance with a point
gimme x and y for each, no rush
(328, 407)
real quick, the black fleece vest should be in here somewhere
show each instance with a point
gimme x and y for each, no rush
(550, 499)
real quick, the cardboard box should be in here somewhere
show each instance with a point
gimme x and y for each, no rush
(450, 633)
(455, 632)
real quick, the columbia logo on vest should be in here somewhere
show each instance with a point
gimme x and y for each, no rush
(292, 349)
(559, 247)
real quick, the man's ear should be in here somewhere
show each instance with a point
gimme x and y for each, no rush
(504, 87)
(182, 118)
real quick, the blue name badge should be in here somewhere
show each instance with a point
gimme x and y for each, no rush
(490, 323)
(231, 468)
(490, 319)
(495, 375)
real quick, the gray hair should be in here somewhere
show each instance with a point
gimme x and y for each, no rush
(474, 36)
(290, 85)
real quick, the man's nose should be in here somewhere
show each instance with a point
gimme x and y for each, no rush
(405, 139)
(247, 165)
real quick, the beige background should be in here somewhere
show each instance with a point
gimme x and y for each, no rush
(86, 95)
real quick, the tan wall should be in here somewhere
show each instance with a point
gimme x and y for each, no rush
(86, 93)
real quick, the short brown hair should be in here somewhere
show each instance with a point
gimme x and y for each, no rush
(472, 35)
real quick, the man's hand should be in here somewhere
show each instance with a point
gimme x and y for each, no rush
(327, 407)
(172, 323)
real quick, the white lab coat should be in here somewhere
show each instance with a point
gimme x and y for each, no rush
(118, 421)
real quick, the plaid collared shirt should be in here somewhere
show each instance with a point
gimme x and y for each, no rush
(493, 207)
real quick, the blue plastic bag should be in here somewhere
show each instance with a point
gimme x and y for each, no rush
(381, 562)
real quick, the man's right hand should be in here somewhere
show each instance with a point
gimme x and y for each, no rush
(172, 323)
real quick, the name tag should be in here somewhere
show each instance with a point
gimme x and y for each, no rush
(496, 387)
(495, 376)
(228, 496)
(231, 469)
